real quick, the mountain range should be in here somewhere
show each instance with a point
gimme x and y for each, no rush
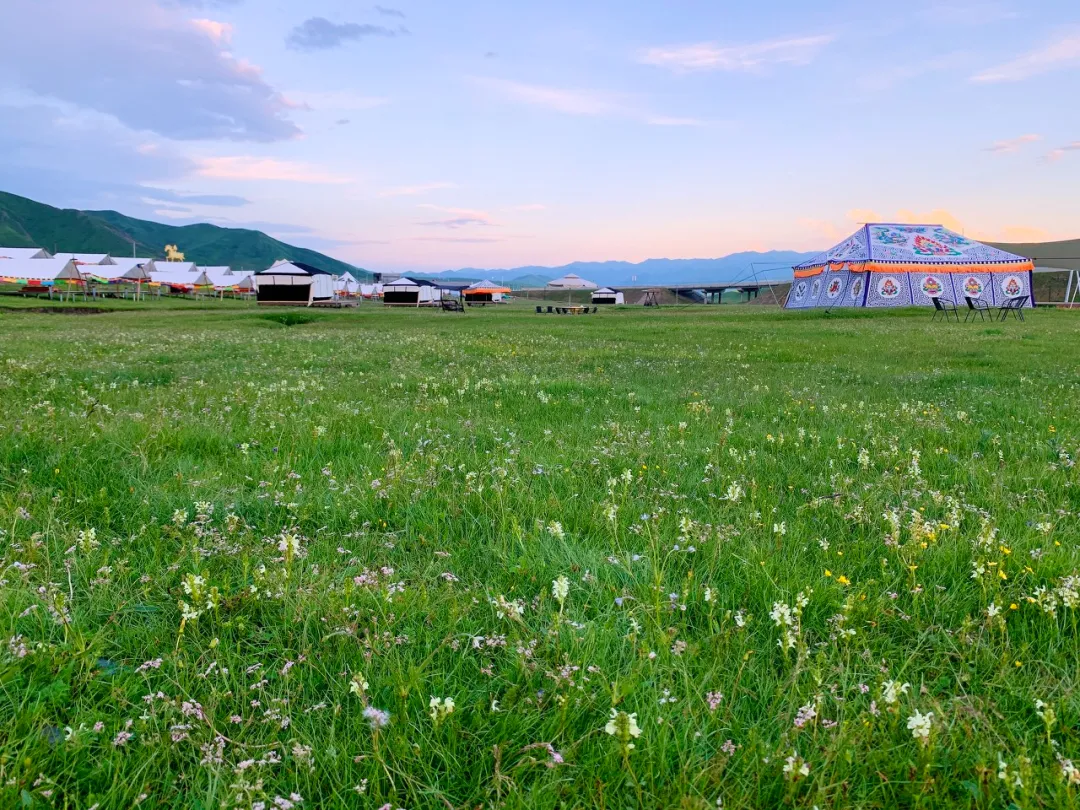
(773, 265)
(26, 223)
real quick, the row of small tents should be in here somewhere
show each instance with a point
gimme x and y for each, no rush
(37, 268)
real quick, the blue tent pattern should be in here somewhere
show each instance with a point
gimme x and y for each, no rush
(899, 265)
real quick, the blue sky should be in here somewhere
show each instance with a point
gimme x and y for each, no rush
(428, 135)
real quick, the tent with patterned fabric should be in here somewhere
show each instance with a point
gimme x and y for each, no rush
(892, 265)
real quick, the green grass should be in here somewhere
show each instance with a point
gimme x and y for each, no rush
(386, 497)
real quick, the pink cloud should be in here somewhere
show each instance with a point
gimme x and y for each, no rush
(248, 167)
(749, 57)
(220, 32)
(1057, 55)
(1012, 144)
(1059, 153)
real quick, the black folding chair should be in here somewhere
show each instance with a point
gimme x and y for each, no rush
(594, 310)
(976, 306)
(945, 309)
(539, 310)
(1013, 305)
(550, 310)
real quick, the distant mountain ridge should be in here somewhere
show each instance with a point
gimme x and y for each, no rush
(774, 265)
(26, 223)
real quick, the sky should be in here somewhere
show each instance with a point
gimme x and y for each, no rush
(430, 135)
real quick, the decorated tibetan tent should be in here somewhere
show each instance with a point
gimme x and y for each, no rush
(884, 265)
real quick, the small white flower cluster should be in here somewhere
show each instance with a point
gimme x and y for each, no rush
(789, 619)
(440, 708)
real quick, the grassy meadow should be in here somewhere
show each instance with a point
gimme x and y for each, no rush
(694, 558)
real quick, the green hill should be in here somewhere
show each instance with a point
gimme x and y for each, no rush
(25, 223)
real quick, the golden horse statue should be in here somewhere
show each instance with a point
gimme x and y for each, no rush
(172, 254)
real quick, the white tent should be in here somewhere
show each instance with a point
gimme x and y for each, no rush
(224, 278)
(120, 270)
(293, 283)
(177, 267)
(606, 295)
(571, 282)
(406, 292)
(24, 253)
(346, 285)
(41, 271)
(180, 280)
(87, 258)
(371, 290)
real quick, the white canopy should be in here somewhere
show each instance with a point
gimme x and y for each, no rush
(571, 282)
(87, 258)
(402, 284)
(179, 278)
(24, 253)
(176, 267)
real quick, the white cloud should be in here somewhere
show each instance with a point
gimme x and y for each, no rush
(670, 121)
(459, 217)
(152, 68)
(582, 102)
(415, 191)
(1012, 144)
(1060, 54)
(572, 102)
(249, 167)
(747, 58)
(335, 100)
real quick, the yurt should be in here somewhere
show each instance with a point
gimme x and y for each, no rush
(404, 292)
(606, 295)
(890, 265)
(484, 292)
(293, 283)
(571, 282)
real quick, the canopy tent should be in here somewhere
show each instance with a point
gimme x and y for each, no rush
(179, 280)
(484, 292)
(122, 271)
(39, 272)
(24, 253)
(225, 279)
(86, 258)
(371, 290)
(346, 285)
(1050, 257)
(606, 295)
(293, 283)
(571, 282)
(404, 292)
(891, 265)
(176, 267)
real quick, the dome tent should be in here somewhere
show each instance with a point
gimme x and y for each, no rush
(895, 265)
